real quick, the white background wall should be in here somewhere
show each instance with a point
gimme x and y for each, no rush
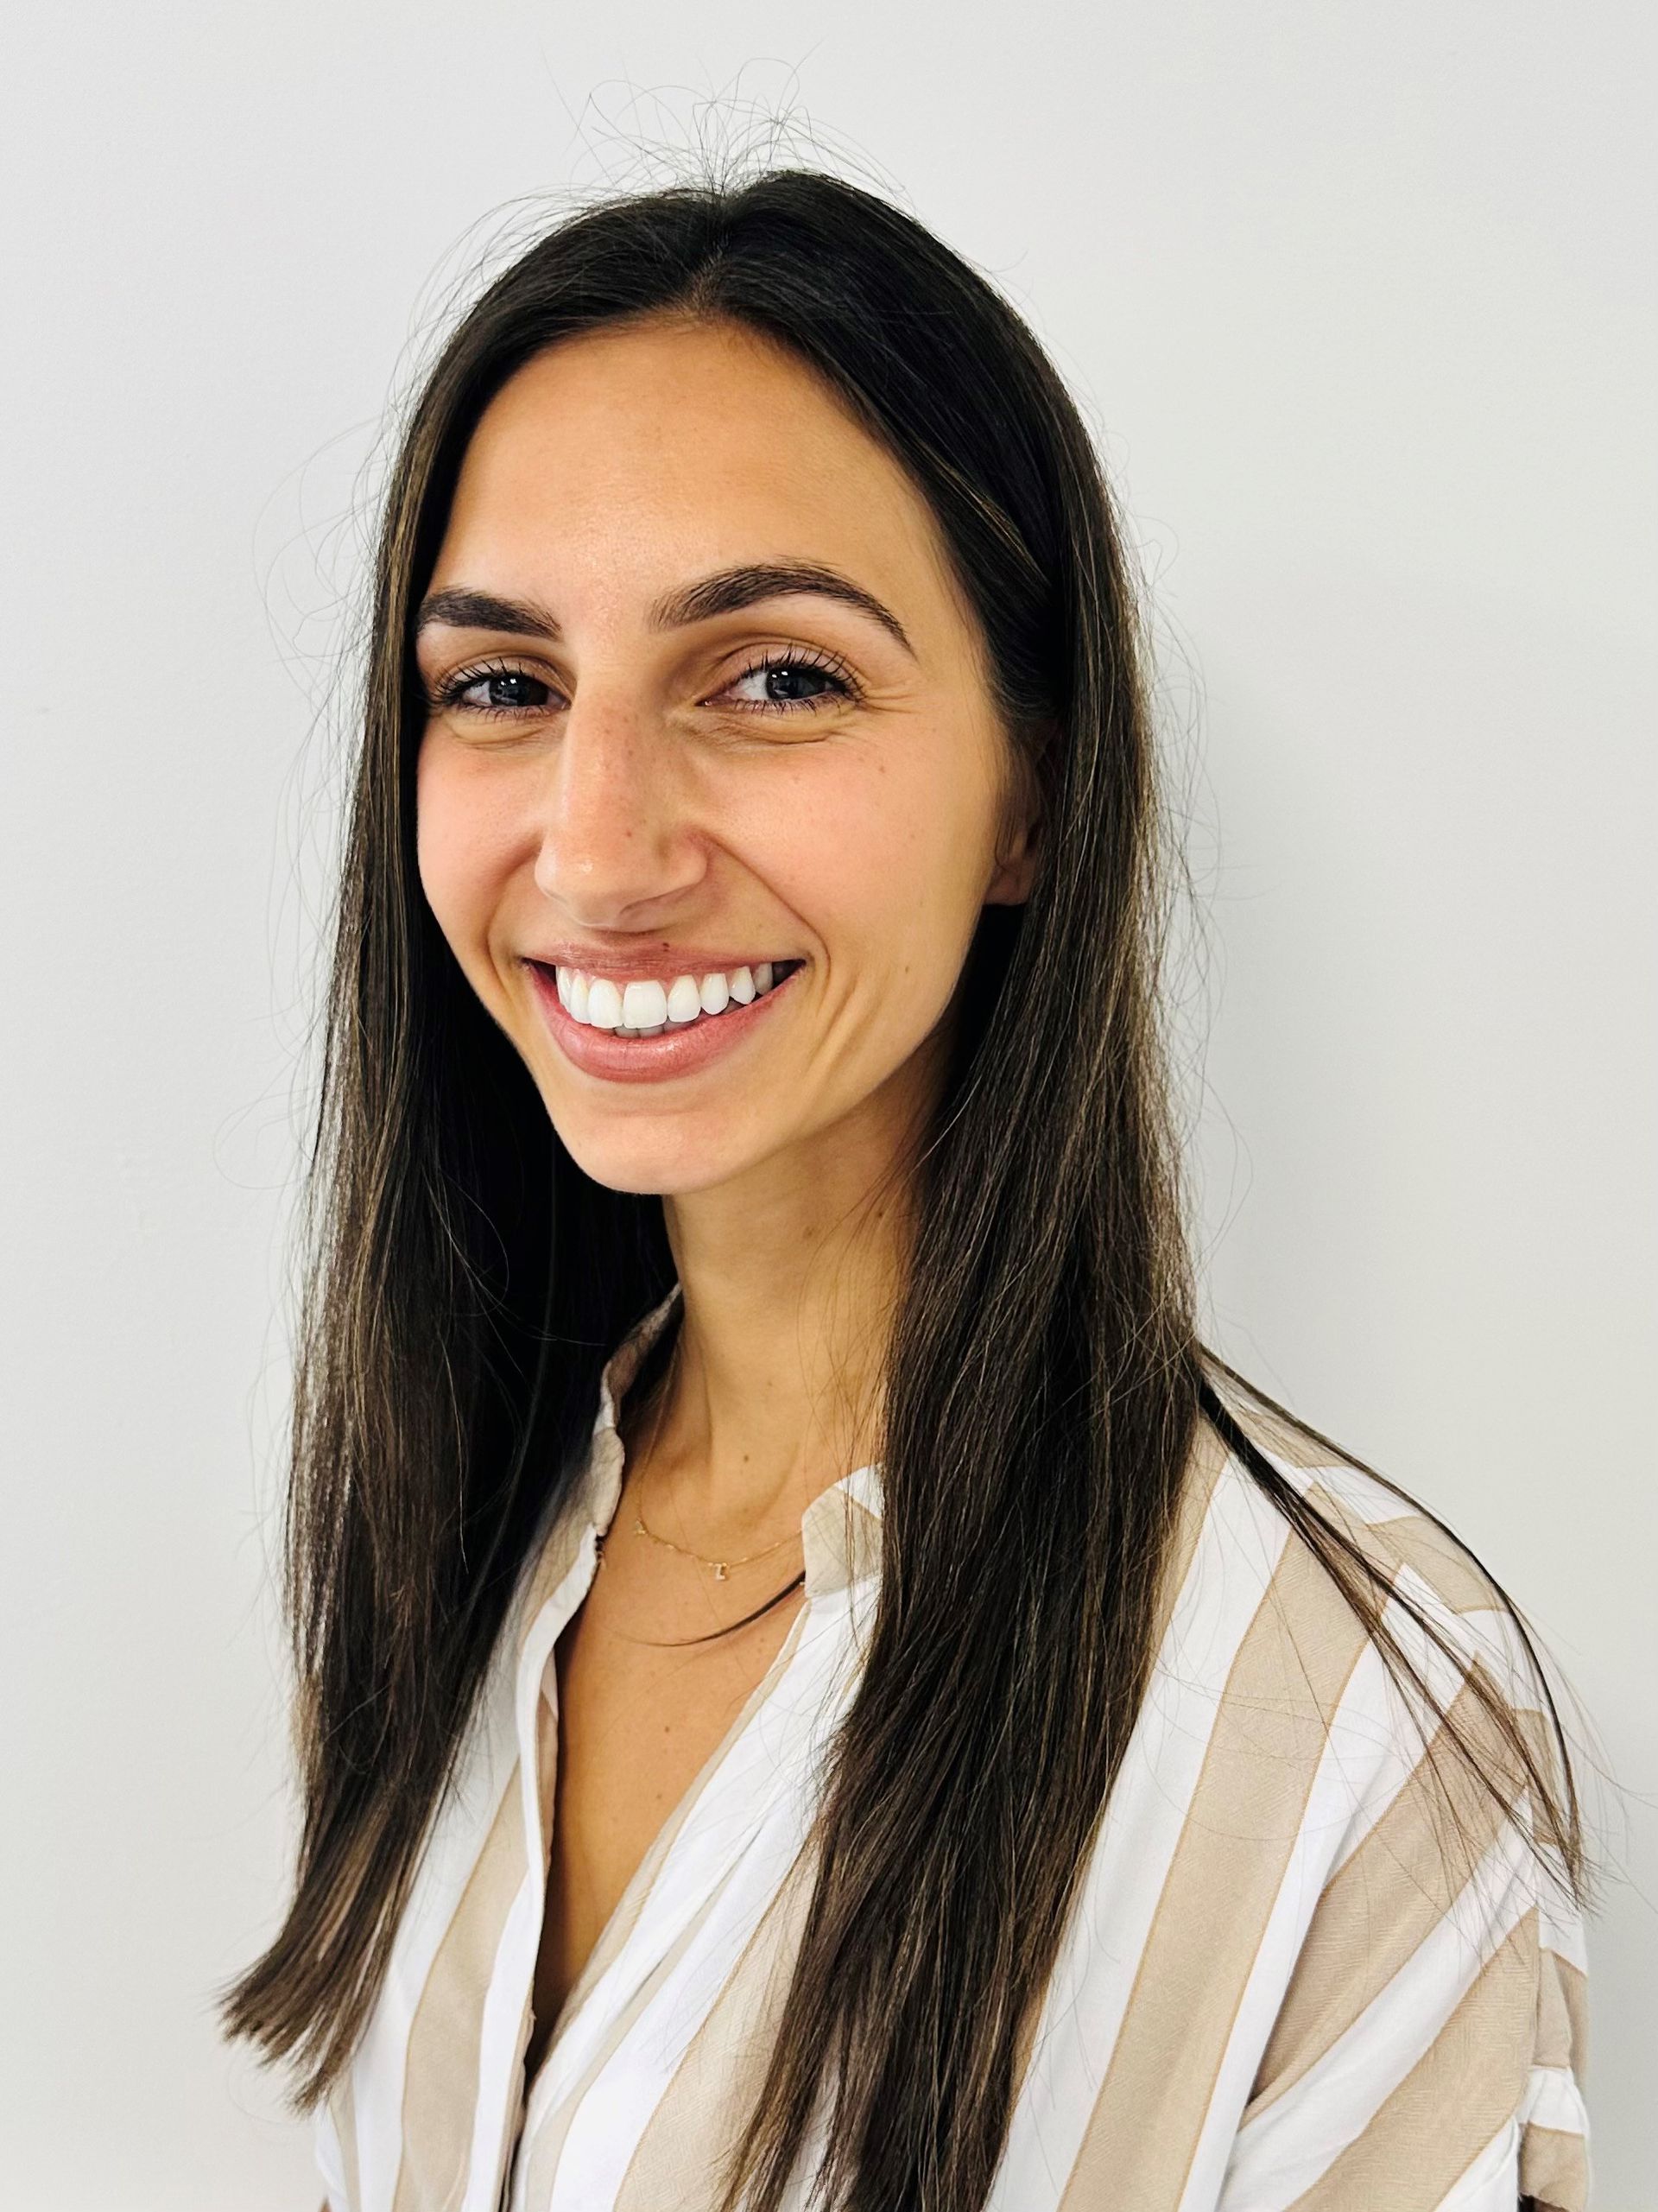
(1359, 297)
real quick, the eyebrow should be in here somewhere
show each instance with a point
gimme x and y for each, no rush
(725, 592)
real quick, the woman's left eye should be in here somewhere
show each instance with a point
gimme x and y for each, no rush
(784, 683)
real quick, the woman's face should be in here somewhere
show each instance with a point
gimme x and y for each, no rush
(704, 696)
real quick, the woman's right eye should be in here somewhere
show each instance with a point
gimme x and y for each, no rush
(494, 691)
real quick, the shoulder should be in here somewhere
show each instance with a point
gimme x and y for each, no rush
(1429, 1990)
(1322, 1508)
(1332, 1619)
(1319, 1936)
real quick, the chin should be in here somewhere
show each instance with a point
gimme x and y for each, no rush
(658, 1161)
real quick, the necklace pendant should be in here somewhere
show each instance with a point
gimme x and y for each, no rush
(719, 1570)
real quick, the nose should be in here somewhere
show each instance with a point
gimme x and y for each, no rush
(616, 832)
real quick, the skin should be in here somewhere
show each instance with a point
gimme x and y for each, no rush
(641, 793)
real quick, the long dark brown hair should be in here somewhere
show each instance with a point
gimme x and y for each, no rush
(466, 1281)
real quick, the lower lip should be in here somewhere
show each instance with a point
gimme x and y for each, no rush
(652, 1059)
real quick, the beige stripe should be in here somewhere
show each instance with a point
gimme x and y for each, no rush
(1385, 1900)
(445, 2037)
(1410, 1539)
(1413, 1540)
(1554, 2169)
(1562, 2015)
(1538, 1730)
(545, 2145)
(1575, 1985)
(1464, 2087)
(1228, 1869)
(701, 2113)
(1441, 1561)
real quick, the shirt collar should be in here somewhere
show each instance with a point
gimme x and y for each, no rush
(840, 1530)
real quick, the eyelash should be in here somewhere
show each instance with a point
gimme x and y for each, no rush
(449, 693)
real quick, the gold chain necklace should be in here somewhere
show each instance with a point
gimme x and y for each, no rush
(722, 1567)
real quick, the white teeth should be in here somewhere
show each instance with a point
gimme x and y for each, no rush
(645, 1006)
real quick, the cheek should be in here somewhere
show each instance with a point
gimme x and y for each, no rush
(460, 846)
(889, 861)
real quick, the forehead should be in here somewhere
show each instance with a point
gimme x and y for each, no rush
(636, 456)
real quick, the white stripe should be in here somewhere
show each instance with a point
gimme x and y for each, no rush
(1492, 2183)
(1554, 2100)
(331, 2165)
(1089, 1991)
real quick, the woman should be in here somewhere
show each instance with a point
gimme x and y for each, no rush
(812, 1675)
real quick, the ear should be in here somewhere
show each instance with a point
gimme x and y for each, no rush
(1019, 849)
(1011, 884)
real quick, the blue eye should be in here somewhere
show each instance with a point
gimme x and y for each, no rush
(505, 691)
(783, 683)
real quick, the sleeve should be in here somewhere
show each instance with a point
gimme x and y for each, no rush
(1429, 2049)
(1554, 2124)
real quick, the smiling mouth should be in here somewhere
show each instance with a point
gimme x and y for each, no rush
(654, 1007)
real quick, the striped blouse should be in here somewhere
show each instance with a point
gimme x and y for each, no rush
(1309, 1964)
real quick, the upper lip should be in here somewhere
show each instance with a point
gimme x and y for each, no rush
(645, 964)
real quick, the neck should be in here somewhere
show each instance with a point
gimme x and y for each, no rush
(788, 1286)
